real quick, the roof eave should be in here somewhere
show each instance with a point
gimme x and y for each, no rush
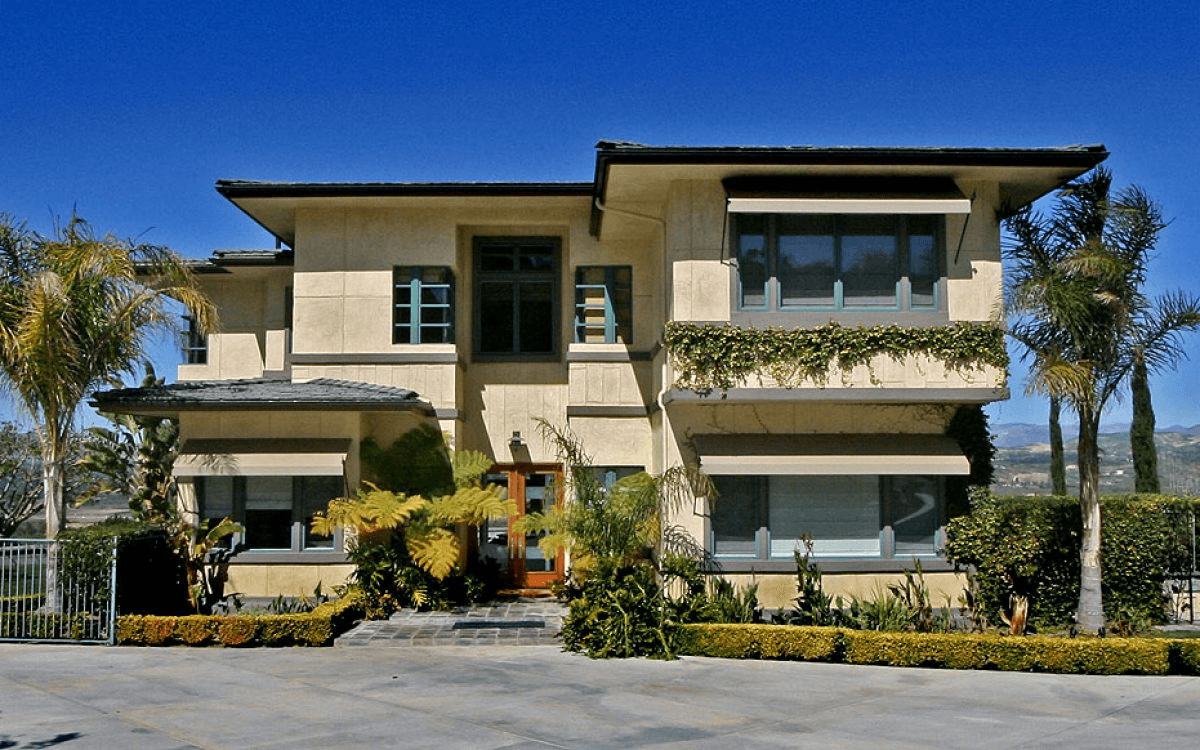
(1075, 158)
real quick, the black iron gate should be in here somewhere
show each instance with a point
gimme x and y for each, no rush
(58, 591)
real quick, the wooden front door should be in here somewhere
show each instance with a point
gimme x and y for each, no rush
(536, 488)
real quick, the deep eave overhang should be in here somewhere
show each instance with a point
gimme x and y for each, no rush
(1072, 160)
(240, 191)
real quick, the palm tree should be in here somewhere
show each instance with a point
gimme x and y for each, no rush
(1085, 320)
(77, 310)
(1034, 257)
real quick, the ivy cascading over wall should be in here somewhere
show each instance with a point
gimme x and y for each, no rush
(716, 357)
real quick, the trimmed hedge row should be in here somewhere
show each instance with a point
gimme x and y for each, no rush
(1155, 656)
(1030, 546)
(316, 628)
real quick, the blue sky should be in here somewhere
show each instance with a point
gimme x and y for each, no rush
(129, 111)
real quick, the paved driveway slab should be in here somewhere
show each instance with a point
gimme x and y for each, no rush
(539, 697)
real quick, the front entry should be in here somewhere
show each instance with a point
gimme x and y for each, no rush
(536, 488)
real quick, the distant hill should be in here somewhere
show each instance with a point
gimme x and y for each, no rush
(1017, 434)
(1022, 460)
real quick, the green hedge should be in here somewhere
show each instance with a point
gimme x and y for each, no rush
(151, 578)
(1030, 546)
(316, 628)
(947, 651)
(47, 625)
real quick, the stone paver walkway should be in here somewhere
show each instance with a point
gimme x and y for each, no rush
(518, 623)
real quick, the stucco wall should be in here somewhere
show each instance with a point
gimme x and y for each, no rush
(778, 590)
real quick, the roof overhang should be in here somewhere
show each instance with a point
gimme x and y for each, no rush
(322, 394)
(830, 455)
(273, 205)
(637, 177)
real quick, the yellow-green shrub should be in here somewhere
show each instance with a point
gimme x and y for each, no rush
(761, 641)
(944, 650)
(316, 628)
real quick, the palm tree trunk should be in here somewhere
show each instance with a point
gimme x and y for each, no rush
(1058, 465)
(1141, 432)
(52, 486)
(1090, 615)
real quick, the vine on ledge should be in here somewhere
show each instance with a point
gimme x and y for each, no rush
(715, 357)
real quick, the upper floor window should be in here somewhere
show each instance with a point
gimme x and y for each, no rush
(517, 296)
(604, 305)
(423, 305)
(838, 261)
(195, 345)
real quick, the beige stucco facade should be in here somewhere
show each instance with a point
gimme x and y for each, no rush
(325, 308)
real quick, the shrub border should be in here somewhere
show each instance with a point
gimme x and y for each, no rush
(316, 628)
(1096, 656)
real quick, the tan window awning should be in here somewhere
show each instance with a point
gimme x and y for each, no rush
(857, 205)
(273, 458)
(830, 454)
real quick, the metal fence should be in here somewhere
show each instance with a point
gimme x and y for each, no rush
(58, 591)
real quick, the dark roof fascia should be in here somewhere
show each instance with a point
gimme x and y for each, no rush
(619, 152)
(234, 189)
(156, 407)
(221, 263)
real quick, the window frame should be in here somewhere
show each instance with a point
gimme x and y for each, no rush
(297, 529)
(408, 285)
(515, 277)
(760, 503)
(195, 343)
(617, 323)
(772, 292)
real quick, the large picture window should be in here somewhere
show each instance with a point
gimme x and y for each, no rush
(517, 297)
(862, 516)
(423, 305)
(837, 261)
(275, 512)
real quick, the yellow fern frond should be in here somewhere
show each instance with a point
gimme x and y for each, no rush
(435, 550)
(554, 543)
(468, 467)
(472, 505)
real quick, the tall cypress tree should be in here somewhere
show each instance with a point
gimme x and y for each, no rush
(1141, 432)
(1058, 464)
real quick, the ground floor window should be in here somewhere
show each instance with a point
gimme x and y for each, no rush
(276, 512)
(769, 517)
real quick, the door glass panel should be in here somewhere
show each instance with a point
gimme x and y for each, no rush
(493, 541)
(540, 494)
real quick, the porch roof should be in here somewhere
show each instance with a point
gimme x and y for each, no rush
(259, 394)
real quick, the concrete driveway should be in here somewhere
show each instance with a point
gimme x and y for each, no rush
(539, 697)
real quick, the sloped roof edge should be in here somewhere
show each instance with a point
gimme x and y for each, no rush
(322, 394)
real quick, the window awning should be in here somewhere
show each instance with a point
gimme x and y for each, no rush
(845, 196)
(281, 457)
(748, 205)
(830, 454)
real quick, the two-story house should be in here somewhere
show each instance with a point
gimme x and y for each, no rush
(502, 303)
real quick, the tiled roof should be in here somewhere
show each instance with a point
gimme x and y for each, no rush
(260, 393)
